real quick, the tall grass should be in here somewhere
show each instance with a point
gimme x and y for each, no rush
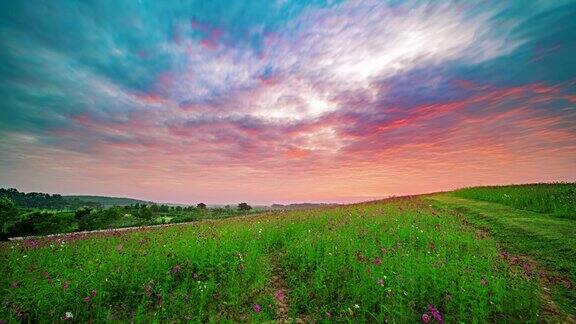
(384, 261)
(557, 198)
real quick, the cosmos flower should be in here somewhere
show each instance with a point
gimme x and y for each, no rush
(435, 313)
(279, 295)
(68, 316)
(425, 318)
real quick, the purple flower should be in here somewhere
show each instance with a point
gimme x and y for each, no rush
(257, 308)
(176, 269)
(94, 292)
(120, 247)
(435, 313)
(380, 282)
(425, 318)
(86, 299)
(377, 261)
(14, 285)
(65, 285)
(279, 295)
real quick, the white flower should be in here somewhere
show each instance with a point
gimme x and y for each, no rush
(69, 315)
(24, 256)
(356, 306)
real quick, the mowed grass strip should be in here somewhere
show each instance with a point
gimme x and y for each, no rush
(558, 199)
(545, 238)
(394, 260)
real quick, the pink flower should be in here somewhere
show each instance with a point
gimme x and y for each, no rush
(257, 308)
(94, 292)
(119, 247)
(380, 282)
(377, 261)
(65, 285)
(14, 285)
(435, 313)
(176, 269)
(86, 299)
(425, 318)
(279, 295)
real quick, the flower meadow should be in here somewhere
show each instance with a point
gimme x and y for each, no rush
(397, 260)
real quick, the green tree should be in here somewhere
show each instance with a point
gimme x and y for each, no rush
(82, 212)
(201, 206)
(8, 216)
(145, 214)
(244, 206)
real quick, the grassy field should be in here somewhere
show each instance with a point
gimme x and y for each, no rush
(529, 238)
(558, 199)
(400, 260)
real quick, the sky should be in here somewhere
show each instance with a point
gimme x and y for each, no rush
(280, 101)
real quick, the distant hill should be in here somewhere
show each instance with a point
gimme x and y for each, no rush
(109, 201)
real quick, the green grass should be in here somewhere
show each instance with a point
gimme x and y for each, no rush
(330, 262)
(558, 199)
(542, 237)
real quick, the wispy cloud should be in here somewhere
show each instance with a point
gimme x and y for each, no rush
(334, 100)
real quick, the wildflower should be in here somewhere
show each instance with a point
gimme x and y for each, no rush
(68, 316)
(148, 291)
(483, 282)
(425, 318)
(176, 269)
(14, 285)
(159, 300)
(328, 314)
(380, 282)
(94, 292)
(86, 299)
(356, 306)
(257, 308)
(65, 285)
(279, 295)
(435, 313)
(120, 247)
(377, 261)
(527, 268)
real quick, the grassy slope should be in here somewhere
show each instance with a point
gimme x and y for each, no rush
(392, 259)
(558, 199)
(549, 240)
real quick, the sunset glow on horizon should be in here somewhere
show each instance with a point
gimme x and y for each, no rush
(285, 101)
